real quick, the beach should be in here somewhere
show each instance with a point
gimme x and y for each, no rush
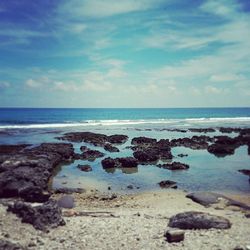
(119, 186)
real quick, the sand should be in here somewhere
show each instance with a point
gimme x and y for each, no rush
(135, 221)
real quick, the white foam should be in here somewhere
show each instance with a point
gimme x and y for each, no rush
(182, 122)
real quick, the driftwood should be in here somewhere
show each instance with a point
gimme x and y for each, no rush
(101, 214)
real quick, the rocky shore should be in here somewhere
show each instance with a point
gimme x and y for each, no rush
(35, 217)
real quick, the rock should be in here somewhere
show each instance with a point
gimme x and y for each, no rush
(110, 148)
(195, 142)
(91, 155)
(148, 150)
(245, 171)
(12, 149)
(174, 166)
(221, 149)
(42, 217)
(85, 168)
(130, 187)
(84, 148)
(229, 130)
(147, 155)
(26, 173)
(198, 220)
(182, 155)
(69, 190)
(142, 140)
(8, 245)
(66, 201)
(239, 248)
(168, 184)
(125, 162)
(93, 138)
(174, 235)
(117, 139)
(208, 198)
(202, 130)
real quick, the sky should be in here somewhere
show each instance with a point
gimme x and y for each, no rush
(129, 53)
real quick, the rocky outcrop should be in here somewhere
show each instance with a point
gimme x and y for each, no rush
(93, 138)
(245, 171)
(174, 166)
(202, 130)
(148, 150)
(126, 162)
(195, 142)
(168, 184)
(91, 155)
(110, 148)
(25, 173)
(42, 217)
(198, 220)
(85, 168)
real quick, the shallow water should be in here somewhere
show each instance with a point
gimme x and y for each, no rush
(206, 172)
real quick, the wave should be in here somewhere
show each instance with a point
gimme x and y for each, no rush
(219, 121)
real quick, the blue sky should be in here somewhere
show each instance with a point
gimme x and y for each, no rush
(130, 53)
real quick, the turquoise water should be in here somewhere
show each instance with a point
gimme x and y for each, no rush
(207, 172)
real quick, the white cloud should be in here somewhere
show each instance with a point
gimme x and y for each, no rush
(100, 8)
(212, 90)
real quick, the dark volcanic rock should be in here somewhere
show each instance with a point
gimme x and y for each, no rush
(126, 162)
(93, 138)
(147, 155)
(117, 139)
(229, 130)
(195, 142)
(198, 220)
(149, 150)
(85, 168)
(8, 245)
(174, 235)
(167, 184)
(41, 217)
(174, 166)
(245, 171)
(143, 140)
(12, 149)
(202, 130)
(26, 173)
(91, 155)
(110, 148)
(182, 155)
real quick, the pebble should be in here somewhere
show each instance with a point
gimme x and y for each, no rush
(174, 235)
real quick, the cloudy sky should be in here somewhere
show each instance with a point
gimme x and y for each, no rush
(129, 53)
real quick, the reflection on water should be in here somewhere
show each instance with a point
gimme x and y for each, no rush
(123, 170)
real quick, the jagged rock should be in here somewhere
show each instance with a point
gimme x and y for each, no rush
(245, 171)
(91, 155)
(25, 173)
(8, 245)
(195, 142)
(110, 148)
(93, 138)
(202, 130)
(174, 166)
(168, 184)
(42, 217)
(198, 220)
(182, 155)
(126, 162)
(142, 140)
(85, 168)
(174, 235)
(148, 150)
(66, 201)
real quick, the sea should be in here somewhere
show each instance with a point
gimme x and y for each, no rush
(206, 173)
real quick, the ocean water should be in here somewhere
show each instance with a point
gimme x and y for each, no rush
(206, 172)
